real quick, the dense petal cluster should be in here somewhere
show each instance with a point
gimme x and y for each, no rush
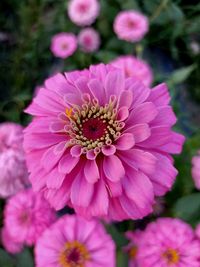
(134, 67)
(101, 143)
(13, 171)
(169, 242)
(131, 26)
(26, 216)
(72, 241)
(63, 44)
(196, 170)
(83, 12)
(89, 40)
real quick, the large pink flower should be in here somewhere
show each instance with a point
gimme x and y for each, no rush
(169, 242)
(72, 241)
(131, 26)
(134, 67)
(13, 171)
(26, 216)
(196, 170)
(63, 44)
(83, 12)
(100, 142)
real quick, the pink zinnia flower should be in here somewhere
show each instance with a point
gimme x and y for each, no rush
(26, 216)
(134, 67)
(132, 247)
(72, 241)
(169, 242)
(83, 12)
(196, 170)
(131, 25)
(9, 243)
(100, 142)
(13, 171)
(63, 44)
(89, 40)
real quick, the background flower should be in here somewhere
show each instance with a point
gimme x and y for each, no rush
(131, 25)
(89, 40)
(72, 241)
(26, 216)
(100, 142)
(63, 44)
(83, 12)
(13, 171)
(134, 67)
(9, 243)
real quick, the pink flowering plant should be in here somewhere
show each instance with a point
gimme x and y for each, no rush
(99, 133)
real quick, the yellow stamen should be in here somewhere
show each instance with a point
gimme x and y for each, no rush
(68, 112)
(171, 255)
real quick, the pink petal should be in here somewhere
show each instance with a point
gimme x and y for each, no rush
(108, 150)
(67, 163)
(125, 141)
(81, 191)
(76, 151)
(122, 114)
(91, 171)
(113, 168)
(165, 116)
(97, 90)
(81, 84)
(126, 99)
(50, 159)
(91, 155)
(54, 179)
(114, 83)
(114, 188)
(175, 144)
(140, 132)
(160, 95)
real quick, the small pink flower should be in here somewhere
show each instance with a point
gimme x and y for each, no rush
(169, 242)
(134, 67)
(63, 44)
(9, 243)
(131, 25)
(101, 143)
(13, 171)
(26, 216)
(72, 241)
(83, 12)
(196, 170)
(132, 247)
(89, 40)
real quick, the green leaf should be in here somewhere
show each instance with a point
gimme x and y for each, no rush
(180, 75)
(118, 237)
(6, 260)
(188, 208)
(25, 259)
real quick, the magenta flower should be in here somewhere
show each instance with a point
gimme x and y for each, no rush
(72, 241)
(133, 246)
(169, 242)
(14, 175)
(83, 12)
(196, 170)
(63, 44)
(89, 40)
(26, 216)
(131, 26)
(9, 243)
(100, 143)
(134, 67)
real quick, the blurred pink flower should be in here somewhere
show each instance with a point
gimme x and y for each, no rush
(13, 171)
(134, 67)
(72, 241)
(9, 243)
(63, 44)
(83, 12)
(101, 143)
(196, 170)
(26, 216)
(169, 242)
(131, 25)
(89, 40)
(132, 247)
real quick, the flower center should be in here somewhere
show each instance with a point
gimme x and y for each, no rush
(87, 40)
(74, 254)
(133, 252)
(64, 46)
(171, 255)
(82, 7)
(93, 126)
